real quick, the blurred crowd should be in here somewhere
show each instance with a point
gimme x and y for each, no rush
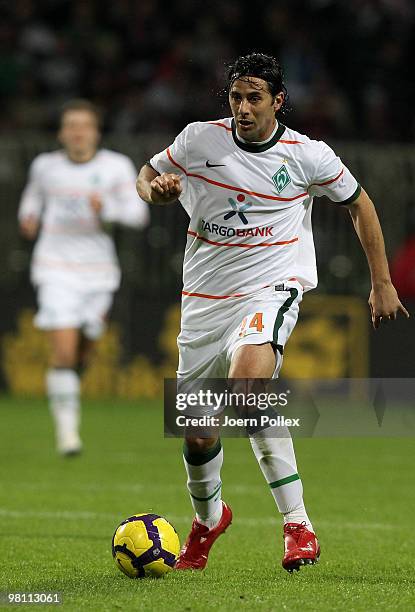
(155, 65)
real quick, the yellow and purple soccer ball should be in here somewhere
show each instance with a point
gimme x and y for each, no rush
(145, 545)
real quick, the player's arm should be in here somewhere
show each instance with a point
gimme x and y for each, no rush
(383, 300)
(157, 188)
(31, 203)
(120, 204)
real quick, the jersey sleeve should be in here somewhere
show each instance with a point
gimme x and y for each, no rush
(32, 200)
(121, 203)
(332, 178)
(174, 158)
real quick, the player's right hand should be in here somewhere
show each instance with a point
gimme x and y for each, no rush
(165, 188)
(29, 227)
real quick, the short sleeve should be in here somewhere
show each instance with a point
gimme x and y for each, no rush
(125, 176)
(121, 202)
(174, 158)
(332, 178)
(31, 202)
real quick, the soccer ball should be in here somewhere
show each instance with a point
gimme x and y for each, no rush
(145, 545)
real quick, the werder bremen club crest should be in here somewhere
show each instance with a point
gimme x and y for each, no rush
(281, 178)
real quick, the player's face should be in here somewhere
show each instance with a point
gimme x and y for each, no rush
(254, 108)
(79, 133)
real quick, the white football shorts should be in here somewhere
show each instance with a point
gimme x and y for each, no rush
(62, 307)
(269, 315)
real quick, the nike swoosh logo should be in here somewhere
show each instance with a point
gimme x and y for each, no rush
(208, 165)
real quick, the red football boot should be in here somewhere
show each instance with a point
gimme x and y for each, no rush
(301, 547)
(195, 552)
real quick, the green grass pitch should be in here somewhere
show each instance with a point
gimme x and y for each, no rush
(57, 517)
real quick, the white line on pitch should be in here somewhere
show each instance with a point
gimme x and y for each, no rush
(243, 521)
(128, 488)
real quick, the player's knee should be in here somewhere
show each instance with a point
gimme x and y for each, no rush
(246, 386)
(62, 357)
(200, 445)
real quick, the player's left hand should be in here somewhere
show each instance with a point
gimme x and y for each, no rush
(95, 202)
(385, 304)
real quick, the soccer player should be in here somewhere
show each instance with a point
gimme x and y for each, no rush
(70, 196)
(247, 184)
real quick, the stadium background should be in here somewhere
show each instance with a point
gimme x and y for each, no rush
(153, 67)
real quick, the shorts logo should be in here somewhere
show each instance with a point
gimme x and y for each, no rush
(238, 209)
(281, 179)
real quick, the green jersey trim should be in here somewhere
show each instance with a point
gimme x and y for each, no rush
(258, 148)
(352, 197)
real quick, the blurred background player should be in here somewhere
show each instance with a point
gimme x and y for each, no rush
(240, 179)
(70, 196)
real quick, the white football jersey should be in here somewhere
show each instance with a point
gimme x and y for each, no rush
(72, 246)
(250, 211)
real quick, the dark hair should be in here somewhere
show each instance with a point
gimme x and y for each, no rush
(261, 66)
(79, 104)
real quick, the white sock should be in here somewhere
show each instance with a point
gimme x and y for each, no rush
(298, 515)
(204, 484)
(63, 388)
(276, 459)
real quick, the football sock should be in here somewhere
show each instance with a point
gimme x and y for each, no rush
(276, 459)
(204, 484)
(63, 388)
(298, 515)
